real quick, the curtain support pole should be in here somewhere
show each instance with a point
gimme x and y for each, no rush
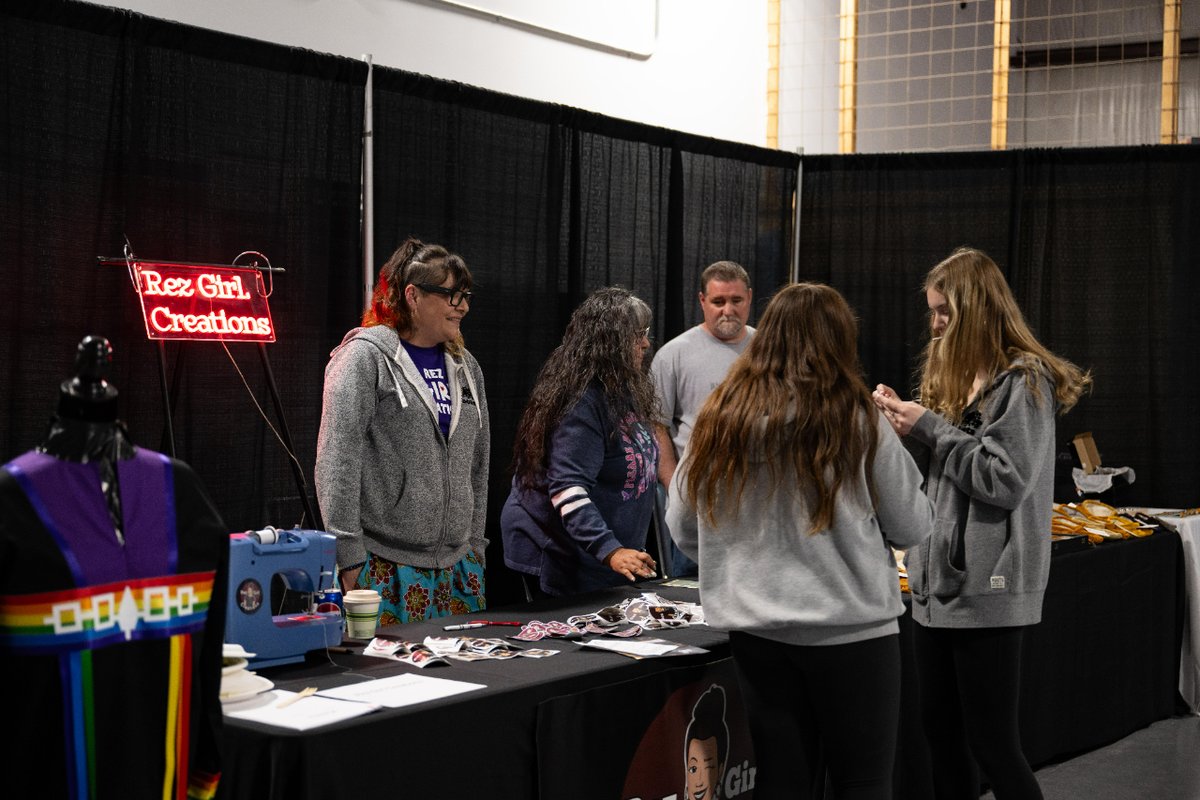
(794, 269)
(368, 185)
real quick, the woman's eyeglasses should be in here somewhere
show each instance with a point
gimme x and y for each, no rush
(456, 296)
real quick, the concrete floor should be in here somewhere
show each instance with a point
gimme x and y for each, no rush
(1161, 762)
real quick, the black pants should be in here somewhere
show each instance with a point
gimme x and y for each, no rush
(970, 681)
(836, 707)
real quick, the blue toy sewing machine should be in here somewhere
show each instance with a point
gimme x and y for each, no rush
(304, 561)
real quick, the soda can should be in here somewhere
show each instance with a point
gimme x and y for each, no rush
(329, 601)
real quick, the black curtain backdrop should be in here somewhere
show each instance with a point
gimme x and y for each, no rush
(196, 146)
(1101, 249)
(548, 203)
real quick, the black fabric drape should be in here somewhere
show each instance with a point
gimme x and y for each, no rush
(547, 204)
(752, 225)
(1100, 247)
(196, 146)
(199, 145)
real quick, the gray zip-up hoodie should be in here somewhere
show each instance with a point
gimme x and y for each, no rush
(991, 481)
(386, 478)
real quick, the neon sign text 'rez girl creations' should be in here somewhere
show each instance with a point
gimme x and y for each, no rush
(203, 302)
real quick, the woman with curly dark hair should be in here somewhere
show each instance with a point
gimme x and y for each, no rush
(585, 458)
(402, 454)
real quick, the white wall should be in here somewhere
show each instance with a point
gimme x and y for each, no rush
(698, 66)
(808, 75)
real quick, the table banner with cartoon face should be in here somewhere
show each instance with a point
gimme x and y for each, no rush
(672, 735)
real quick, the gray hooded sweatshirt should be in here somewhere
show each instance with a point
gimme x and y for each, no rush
(991, 480)
(763, 573)
(387, 480)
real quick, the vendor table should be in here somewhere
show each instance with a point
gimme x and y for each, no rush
(482, 742)
(1103, 663)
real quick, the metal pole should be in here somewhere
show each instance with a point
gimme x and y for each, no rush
(166, 398)
(795, 269)
(297, 474)
(368, 185)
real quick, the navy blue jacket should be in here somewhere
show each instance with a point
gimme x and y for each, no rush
(596, 495)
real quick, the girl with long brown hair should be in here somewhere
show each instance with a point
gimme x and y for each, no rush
(788, 495)
(984, 431)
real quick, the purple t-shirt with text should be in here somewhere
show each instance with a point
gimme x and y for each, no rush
(431, 363)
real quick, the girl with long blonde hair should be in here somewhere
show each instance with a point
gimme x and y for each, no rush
(984, 429)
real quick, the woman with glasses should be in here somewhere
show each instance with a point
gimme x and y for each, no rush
(984, 428)
(402, 454)
(789, 493)
(585, 457)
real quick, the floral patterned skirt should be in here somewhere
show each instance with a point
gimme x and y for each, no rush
(416, 593)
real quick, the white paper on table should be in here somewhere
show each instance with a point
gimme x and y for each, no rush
(682, 583)
(302, 715)
(400, 690)
(647, 647)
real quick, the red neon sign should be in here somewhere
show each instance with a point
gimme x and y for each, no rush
(205, 302)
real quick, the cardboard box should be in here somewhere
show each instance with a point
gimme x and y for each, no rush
(1089, 457)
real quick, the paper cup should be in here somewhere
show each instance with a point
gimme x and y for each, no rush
(362, 613)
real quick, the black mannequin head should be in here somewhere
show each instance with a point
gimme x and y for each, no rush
(88, 396)
(86, 427)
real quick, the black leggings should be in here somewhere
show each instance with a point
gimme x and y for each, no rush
(836, 703)
(970, 681)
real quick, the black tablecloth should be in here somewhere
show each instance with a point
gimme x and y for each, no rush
(482, 742)
(1103, 663)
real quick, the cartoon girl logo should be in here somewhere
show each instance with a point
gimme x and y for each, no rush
(706, 746)
(702, 729)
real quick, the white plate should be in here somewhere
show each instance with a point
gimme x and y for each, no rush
(234, 651)
(235, 682)
(250, 686)
(237, 666)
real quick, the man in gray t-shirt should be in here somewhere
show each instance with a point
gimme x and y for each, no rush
(687, 369)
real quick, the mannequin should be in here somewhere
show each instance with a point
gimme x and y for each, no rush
(86, 428)
(113, 589)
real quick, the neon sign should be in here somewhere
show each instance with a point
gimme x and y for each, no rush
(203, 302)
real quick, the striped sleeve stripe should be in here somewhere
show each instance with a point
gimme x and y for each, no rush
(570, 499)
(569, 507)
(566, 494)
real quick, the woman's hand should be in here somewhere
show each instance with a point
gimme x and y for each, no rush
(901, 414)
(633, 564)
